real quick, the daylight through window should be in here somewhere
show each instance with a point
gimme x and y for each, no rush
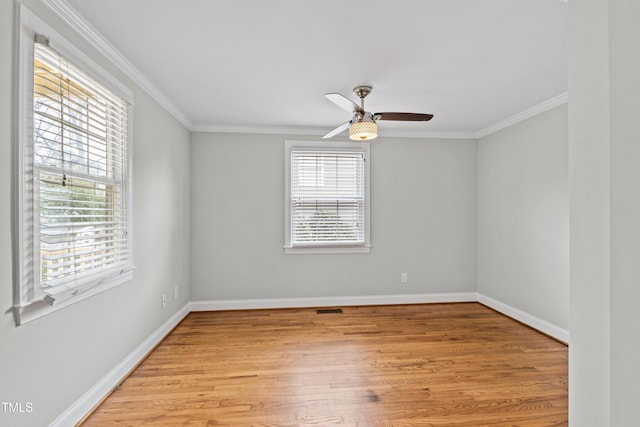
(75, 228)
(327, 197)
(80, 162)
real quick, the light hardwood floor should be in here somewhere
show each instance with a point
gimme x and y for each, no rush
(439, 365)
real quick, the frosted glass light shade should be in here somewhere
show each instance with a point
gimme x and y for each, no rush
(363, 131)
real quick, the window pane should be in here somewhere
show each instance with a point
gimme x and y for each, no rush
(81, 227)
(80, 166)
(327, 197)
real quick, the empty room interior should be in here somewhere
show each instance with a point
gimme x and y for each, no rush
(421, 212)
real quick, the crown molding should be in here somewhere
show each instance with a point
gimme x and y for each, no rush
(78, 23)
(436, 134)
(269, 130)
(547, 105)
(524, 115)
(81, 26)
(318, 132)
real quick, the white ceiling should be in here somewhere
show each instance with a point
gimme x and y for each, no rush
(259, 65)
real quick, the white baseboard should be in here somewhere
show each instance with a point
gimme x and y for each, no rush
(521, 316)
(248, 304)
(93, 396)
(526, 318)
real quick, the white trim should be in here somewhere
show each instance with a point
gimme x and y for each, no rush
(78, 23)
(547, 105)
(424, 133)
(319, 250)
(318, 132)
(40, 308)
(81, 407)
(72, 53)
(33, 307)
(81, 26)
(290, 146)
(268, 130)
(524, 115)
(250, 304)
(528, 319)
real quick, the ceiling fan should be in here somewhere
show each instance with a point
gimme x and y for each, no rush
(363, 126)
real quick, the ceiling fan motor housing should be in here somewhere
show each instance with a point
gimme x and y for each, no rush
(366, 117)
(362, 125)
(362, 91)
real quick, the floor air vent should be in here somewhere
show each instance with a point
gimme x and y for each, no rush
(328, 310)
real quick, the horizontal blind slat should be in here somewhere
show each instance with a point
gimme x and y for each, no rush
(327, 194)
(80, 159)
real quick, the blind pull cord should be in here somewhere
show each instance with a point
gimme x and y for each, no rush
(62, 98)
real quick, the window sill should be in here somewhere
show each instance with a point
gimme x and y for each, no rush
(40, 308)
(314, 250)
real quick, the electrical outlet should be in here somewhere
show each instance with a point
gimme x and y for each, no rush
(164, 300)
(175, 293)
(403, 278)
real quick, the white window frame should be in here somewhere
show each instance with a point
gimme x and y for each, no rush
(326, 146)
(30, 302)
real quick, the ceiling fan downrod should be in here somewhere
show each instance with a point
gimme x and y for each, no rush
(362, 92)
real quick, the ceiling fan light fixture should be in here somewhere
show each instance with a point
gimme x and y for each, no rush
(363, 131)
(362, 126)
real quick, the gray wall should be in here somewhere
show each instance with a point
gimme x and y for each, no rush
(54, 360)
(604, 154)
(423, 222)
(625, 210)
(424, 204)
(523, 217)
(589, 353)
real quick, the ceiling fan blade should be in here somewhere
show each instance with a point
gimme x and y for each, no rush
(403, 117)
(344, 102)
(338, 130)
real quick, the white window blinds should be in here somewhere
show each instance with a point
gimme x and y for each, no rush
(327, 198)
(80, 167)
(75, 213)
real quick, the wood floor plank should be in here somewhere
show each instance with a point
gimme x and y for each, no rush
(439, 365)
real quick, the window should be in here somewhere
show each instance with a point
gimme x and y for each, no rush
(74, 175)
(327, 197)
